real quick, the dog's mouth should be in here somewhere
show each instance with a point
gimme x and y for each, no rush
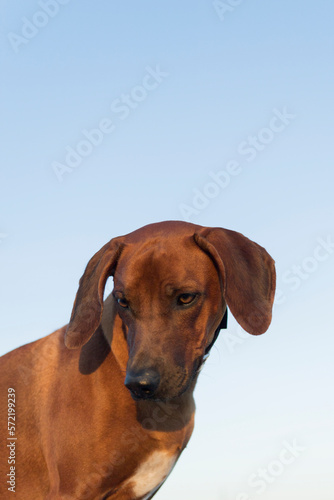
(142, 397)
(160, 396)
(153, 399)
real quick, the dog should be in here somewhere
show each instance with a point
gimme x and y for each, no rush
(103, 407)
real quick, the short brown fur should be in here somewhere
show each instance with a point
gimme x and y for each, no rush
(80, 433)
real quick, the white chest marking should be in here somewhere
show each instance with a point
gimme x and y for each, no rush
(151, 474)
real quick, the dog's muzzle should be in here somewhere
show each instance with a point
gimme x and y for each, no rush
(144, 384)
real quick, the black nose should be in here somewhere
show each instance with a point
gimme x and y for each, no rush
(142, 384)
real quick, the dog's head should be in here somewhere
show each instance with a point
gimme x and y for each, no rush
(172, 282)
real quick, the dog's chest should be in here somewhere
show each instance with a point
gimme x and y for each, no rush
(149, 476)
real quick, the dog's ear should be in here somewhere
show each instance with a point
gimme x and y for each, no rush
(88, 304)
(248, 276)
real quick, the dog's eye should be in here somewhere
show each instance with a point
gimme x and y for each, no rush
(185, 298)
(122, 302)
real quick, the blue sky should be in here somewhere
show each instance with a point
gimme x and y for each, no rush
(223, 120)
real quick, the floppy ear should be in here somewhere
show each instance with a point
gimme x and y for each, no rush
(88, 304)
(248, 275)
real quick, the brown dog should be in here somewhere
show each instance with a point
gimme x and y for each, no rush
(102, 409)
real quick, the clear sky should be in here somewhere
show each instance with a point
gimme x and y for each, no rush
(118, 114)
